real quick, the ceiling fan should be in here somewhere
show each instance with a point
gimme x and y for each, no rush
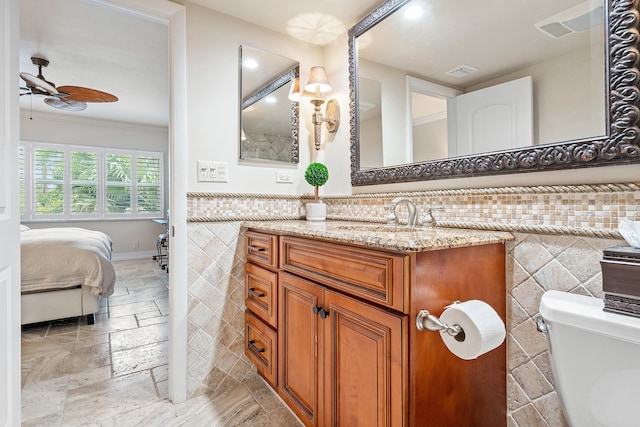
(69, 98)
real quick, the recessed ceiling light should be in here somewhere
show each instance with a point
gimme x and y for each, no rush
(413, 12)
(250, 63)
(270, 100)
(316, 28)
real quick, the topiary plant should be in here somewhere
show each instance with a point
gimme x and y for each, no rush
(317, 175)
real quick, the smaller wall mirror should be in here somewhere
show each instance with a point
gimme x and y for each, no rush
(268, 120)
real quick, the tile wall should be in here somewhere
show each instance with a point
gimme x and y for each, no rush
(559, 236)
(216, 306)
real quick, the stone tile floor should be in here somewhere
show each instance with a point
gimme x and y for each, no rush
(115, 372)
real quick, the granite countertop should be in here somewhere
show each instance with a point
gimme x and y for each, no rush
(394, 237)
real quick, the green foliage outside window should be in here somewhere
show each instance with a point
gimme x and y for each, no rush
(148, 169)
(118, 183)
(49, 178)
(84, 178)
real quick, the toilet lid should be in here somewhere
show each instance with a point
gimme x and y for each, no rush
(586, 313)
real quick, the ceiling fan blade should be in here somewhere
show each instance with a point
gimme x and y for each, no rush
(39, 84)
(65, 104)
(85, 94)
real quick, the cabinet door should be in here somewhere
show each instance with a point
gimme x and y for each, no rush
(298, 346)
(365, 364)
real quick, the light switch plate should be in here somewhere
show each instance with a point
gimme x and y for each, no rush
(205, 171)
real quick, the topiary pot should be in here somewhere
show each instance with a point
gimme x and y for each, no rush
(316, 211)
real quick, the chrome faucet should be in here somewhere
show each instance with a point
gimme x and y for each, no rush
(412, 218)
(429, 220)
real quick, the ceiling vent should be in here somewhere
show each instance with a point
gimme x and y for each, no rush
(582, 17)
(461, 71)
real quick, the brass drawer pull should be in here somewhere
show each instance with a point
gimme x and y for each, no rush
(254, 348)
(252, 291)
(255, 249)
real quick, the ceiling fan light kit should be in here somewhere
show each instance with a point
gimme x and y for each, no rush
(65, 104)
(68, 98)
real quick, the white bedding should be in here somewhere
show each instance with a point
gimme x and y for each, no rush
(57, 258)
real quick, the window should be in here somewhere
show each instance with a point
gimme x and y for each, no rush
(71, 182)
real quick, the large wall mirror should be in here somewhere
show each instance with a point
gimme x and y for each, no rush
(443, 89)
(268, 120)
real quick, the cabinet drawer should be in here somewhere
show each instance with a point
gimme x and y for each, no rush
(374, 275)
(260, 293)
(262, 249)
(260, 346)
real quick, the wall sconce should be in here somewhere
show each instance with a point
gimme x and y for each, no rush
(318, 85)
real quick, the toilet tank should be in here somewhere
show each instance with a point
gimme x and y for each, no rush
(595, 358)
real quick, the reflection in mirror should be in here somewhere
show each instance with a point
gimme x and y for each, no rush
(371, 123)
(466, 90)
(268, 120)
(429, 136)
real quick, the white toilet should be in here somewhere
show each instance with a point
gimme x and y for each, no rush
(595, 357)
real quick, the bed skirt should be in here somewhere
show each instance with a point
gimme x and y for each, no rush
(59, 304)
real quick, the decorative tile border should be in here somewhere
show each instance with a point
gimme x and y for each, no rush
(584, 210)
(222, 207)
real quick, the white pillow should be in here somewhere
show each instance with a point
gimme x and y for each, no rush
(24, 228)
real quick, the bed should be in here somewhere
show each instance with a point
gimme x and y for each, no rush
(64, 273)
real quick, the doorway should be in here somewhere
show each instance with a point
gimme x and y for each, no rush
(175, 18)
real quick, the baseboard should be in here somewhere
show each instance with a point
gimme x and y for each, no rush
(132, 255)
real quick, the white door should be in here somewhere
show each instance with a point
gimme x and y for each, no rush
(9, 217)
(496, 118)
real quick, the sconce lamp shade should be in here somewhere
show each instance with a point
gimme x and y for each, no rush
(294, 92)
(318, 81)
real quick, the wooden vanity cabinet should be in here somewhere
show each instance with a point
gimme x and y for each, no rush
(340, 360)
(348, 349)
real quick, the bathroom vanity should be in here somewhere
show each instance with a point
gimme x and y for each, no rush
(330, 321)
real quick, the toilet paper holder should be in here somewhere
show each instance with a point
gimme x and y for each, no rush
(426, 321)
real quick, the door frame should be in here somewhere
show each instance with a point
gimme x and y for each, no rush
(174, 15)
(10, 384)
(425, 87)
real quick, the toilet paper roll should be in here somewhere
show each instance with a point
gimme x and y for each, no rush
(483, 328)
